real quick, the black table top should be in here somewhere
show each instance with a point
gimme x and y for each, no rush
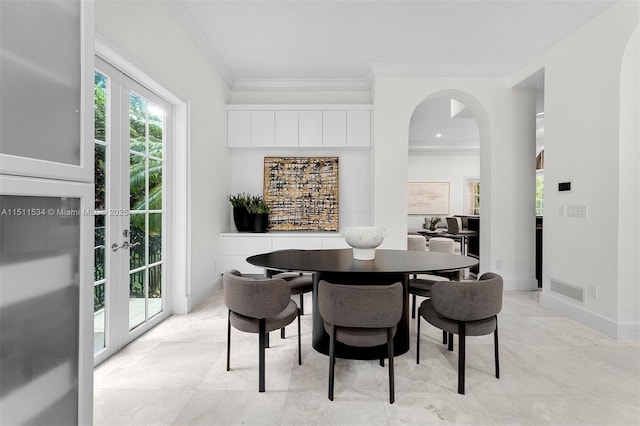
(341, 260)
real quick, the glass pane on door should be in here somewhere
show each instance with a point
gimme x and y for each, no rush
(146, 201)
(100, 224)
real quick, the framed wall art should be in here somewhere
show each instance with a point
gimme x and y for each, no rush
(429, 198)
(302, 193)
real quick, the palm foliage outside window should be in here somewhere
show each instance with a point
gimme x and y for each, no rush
(146, 131)
(539, 193)
(100, 107)
(473, 196)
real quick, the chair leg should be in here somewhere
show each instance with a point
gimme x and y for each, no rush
(261, 343)
(332, 360)
(413, 307)
(418, 340)
(495, 345)
(266, 340)
(228, 339)
(302, 303)
(392, 396)
(299, 344)
(450, 342)
(381, 362)
(282, 333)
(444, 337)
(461, 353)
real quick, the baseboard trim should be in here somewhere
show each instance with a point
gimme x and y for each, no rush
(520, 285)
(571, 309)
(196, 299)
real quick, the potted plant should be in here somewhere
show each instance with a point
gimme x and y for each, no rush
(259, 211)
(433, 222)
(241, 217)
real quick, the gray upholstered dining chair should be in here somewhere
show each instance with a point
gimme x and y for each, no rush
(421, 286)
(465, 308)
(361, 316)
(258, 306)
(299, 283)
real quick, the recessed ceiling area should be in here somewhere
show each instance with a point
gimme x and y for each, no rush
(440, 124)
(343, 44)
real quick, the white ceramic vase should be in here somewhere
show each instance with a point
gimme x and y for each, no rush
(364, 240)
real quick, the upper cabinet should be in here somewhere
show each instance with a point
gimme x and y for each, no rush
(310, 129)
(359, 128)
(262, 128)
(46, 89)
(238, 129)
(286, 128)
(334, 128)
(301, 126)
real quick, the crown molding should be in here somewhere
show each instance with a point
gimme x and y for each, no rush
(302, 84)
(193, 30)
(425, 69)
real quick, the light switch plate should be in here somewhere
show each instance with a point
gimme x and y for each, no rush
(576, 211)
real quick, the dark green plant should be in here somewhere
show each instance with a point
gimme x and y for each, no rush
(435, 220)
(239, 199)
(256, 205)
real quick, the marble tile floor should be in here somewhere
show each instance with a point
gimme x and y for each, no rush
(554, 371)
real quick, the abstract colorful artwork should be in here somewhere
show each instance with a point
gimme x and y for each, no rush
(302, 193)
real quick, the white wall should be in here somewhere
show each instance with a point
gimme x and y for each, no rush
(438, 166)
(506, 120)
(145, 33)
(354, 174)
(586, 142)
(629, 192)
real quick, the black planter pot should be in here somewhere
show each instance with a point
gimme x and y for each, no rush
(242, 219)
(260, 222)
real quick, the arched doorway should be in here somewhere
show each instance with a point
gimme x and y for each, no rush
(444, 161)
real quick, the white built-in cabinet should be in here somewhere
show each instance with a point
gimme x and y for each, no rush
(310, 129)
(286, 128)
(291, 126)
(236, 247)
(263, 128)
(239, 129)
(46, 220)
(334, 128)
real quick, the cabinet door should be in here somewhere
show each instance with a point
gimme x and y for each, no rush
(46, 301)
(334, 128)
(286, 128)
(334, 243)
(236, 249)
(238, 129)
(359, 128)
(46, 89)
(310, 129)
(302, 243)
(262, 128)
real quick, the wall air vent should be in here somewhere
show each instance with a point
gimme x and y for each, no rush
(569, 290)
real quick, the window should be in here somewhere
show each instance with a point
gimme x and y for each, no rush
(472, 196)
(539, 192)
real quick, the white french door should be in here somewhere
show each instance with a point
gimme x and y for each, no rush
(131, 264)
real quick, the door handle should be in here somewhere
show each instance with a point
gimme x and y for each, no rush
(125, 245)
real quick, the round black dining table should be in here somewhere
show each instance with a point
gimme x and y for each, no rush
(339, 267)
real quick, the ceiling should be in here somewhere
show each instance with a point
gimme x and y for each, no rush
(433, 126)
(334, 44)
(343, 45)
